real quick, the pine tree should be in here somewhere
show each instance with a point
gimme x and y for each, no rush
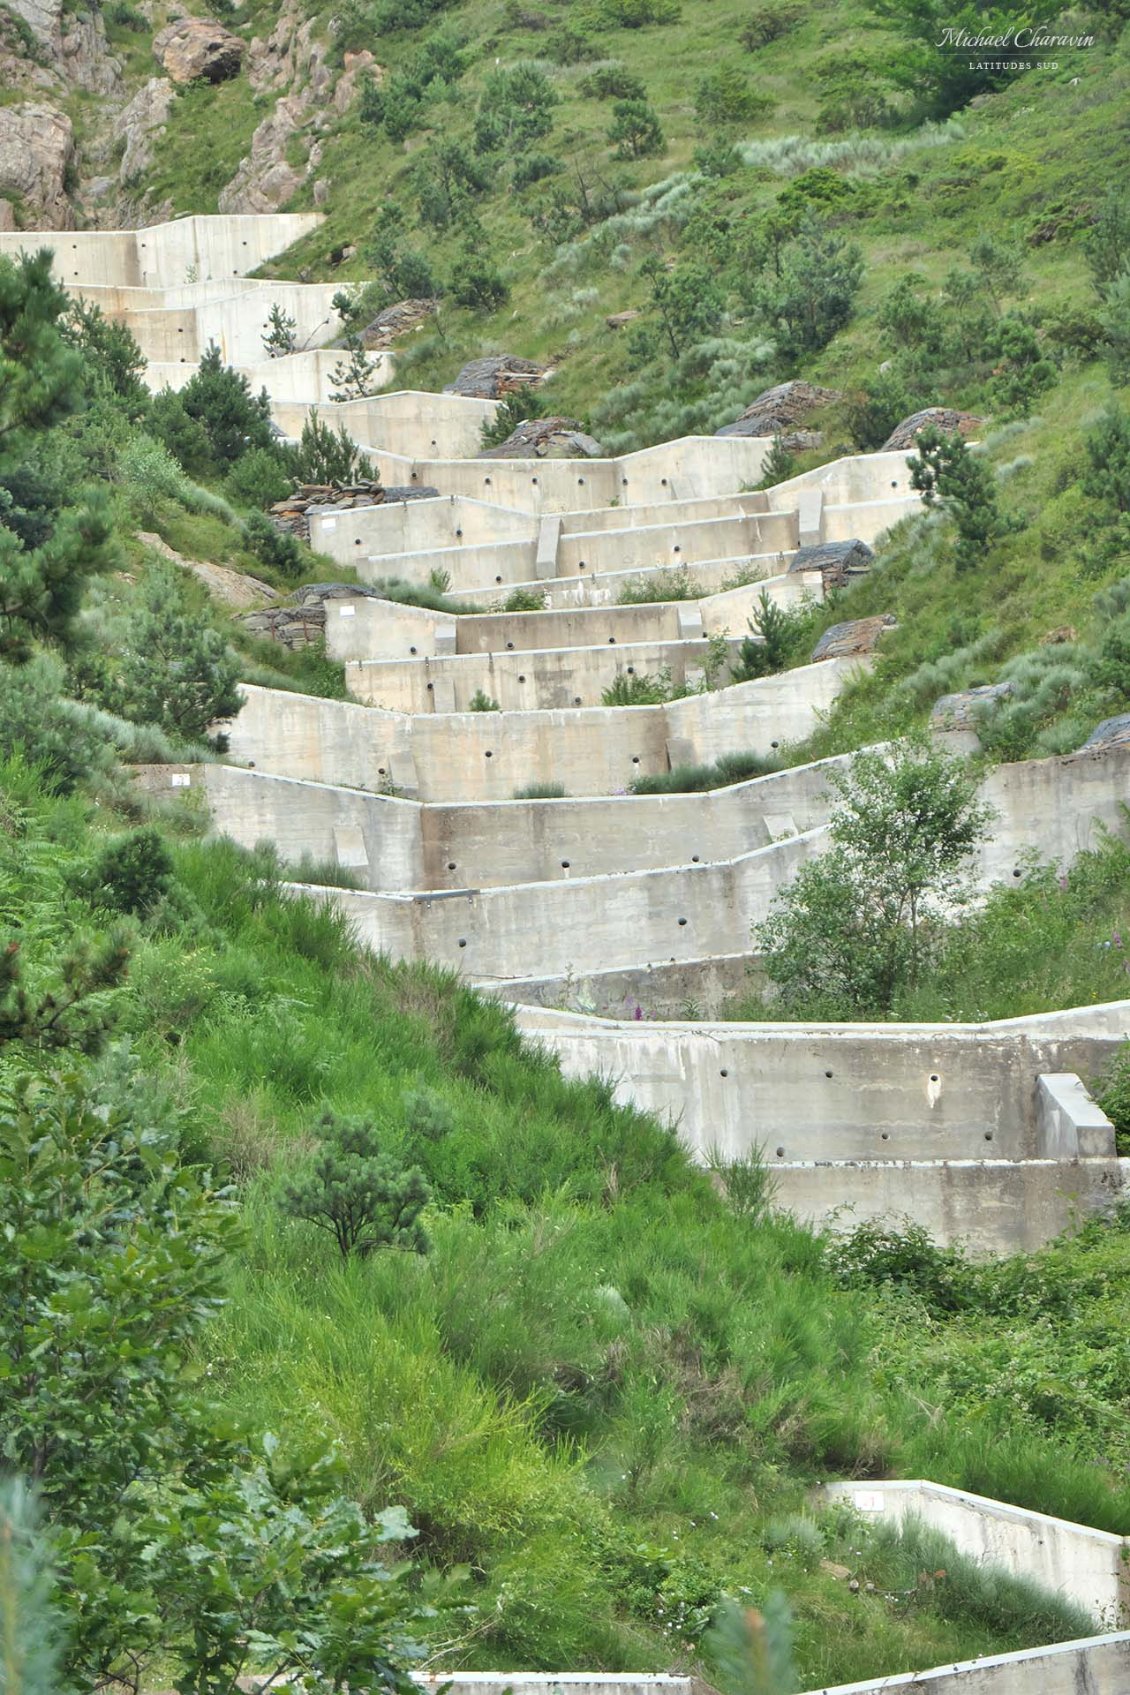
(42, 585)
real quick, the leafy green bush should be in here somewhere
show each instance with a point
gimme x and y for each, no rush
(476, 282)
(769, 23)
(637, 688)
(175, 670)
(274, 547)
(515, 109)
(325, 455)
(612, 81)
(258, 479)
(635, 130)
(724, 96)
(130, 875)
(232, 418)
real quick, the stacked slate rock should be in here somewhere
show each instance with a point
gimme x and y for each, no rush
(942, 418)
(839, 562)
(546, 438)
(780, 410)
(961, 711)
(293, 513)
(854, 638)
(301, 622)
(494, 377)
(394, 322)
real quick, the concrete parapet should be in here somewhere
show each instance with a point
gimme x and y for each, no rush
(985, 1206)
(164, 255)
(1096, 1665)
(1084, 1565)
(485, 756)
(535, 680)
(1071, 1124)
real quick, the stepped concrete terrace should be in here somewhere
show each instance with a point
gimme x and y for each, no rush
(486, 756)
(685, 912)
(981, 1133)
(366, 629)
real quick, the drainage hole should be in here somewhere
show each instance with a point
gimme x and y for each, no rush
(682, 921)
(694, 858)
(451, 865)
(462, 941)
(564, 865)
(723, 1072)
(827, 1073)
(780, 1153)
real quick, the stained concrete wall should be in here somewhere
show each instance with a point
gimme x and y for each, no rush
(533, 681)
(404, 527)
(482, 756)
(162, 255)
(811, 1093)
(236, 323)
(379, 629)
(585, 923)
(1084, 1565)
(1098, 1665)
(303, 376)
(455, 846)
(706, 577)
(986, 1206)
(677, 470)
(408, 422)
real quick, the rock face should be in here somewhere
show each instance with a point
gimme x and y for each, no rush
(493, 377)
(780, 409)
(942, 417)
(1112, 732)
(141, 124)
(302, 623)
(395, 321)
(229, 588)
(960, 711)
(36, 153)
(293, 513)
(265, 179)
(190, 48)
(838, 561)
(857, 636)
(75, 47)
(546, 438)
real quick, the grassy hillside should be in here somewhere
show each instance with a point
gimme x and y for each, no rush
(606, 1392)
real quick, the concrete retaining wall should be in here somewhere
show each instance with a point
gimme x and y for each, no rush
(822, 1092)
(1098, 1665)
(485, 756)
(162, 255)
(305, 376)
(410, 422)
(1086, 1566)
(461, 845)
(378, 629)
(533, 681)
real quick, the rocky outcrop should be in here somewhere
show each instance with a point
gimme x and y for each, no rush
(355, 66)
(395, 321)
(546, 438)
(943, 418)
(838, 561)
(302, 621)
(265, 179)
(851, 639)
(191, 49)
(36, 156)
(962, 710)
(227, 587)
(73, 44)
(780, 409)
(495, 376)
(141, 124)
(1112, 732)
(293, 513)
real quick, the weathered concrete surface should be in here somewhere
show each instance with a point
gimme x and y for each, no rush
(1084, 1565)
(484, 756)
(162, 255)
(533, 681)
(985, 1206)
(459, 845)
(1098, 1665)
(1071, 1123)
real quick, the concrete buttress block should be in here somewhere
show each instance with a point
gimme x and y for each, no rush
(1069, 1124)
